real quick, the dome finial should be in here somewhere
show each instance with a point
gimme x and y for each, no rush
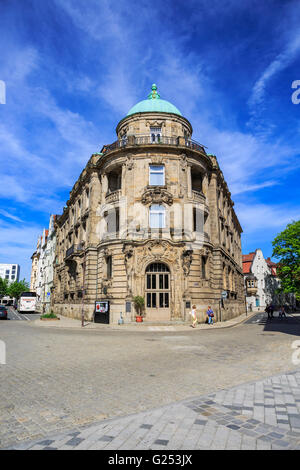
(153, 95)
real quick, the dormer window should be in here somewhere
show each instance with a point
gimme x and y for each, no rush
(155, 133)
(156, 175)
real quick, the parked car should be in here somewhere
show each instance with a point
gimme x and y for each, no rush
(3, 312)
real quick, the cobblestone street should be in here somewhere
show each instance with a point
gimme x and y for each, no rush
(60, 381)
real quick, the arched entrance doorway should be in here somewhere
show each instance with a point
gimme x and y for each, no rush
(157, 290)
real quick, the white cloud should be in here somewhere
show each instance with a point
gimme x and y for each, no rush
(10, 216)
(256, 217)
(17, 243)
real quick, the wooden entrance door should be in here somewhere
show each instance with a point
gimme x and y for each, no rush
(157, 292)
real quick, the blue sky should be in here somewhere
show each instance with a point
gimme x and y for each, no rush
(73, 69)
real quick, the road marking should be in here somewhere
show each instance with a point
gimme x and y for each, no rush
(28, 319)
(17, 315)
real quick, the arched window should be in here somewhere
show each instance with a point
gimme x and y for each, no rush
(157, 216)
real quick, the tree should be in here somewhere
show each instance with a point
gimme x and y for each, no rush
(15, 289)
(139, 303)
(286, 247)
(3, 287)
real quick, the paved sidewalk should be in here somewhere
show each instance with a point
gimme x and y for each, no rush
(66, 322)
(259, 415)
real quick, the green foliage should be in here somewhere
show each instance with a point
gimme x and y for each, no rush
(286, 248)
(48, 315)
(139, 303)
(3, 287)
(15, 289)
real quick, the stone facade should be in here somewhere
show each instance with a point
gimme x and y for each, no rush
(150, 215)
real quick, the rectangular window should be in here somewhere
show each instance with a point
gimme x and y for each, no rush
(156, 175)
(157, 216)
(155, 133)
(109, 267)
(198, 220)
(203, 267)
(113, 220)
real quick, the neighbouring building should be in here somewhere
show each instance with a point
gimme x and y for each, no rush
(262, 283)
(42, 267)
(47, 267)
(150, 215)
(34, 271)
(11, 272)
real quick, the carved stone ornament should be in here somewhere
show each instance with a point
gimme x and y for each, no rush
(155, 123)
(156, 250)
(187, 259)
(128, 253)
(129, 162)
(106, 253)
(157, 196)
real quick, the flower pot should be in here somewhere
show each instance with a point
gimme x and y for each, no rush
(138, 319)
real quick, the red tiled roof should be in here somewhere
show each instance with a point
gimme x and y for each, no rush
(248, 257)
(247, 267)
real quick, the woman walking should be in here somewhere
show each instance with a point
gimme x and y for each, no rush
(194, 317)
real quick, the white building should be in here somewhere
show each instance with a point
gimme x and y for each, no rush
(11, 272)
(43, 259)
(48, 258)
(262, 283)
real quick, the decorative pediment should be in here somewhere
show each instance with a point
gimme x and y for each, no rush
(157, 196)
(155, 123)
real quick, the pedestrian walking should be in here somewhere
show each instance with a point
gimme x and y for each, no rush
(194, 317)
(210, 315)
(271, 310)
(268, 311)
(282, 312)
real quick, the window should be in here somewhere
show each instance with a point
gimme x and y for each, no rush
(196, 181)
(114, 180)
(109, 267)
(197, 220)
(155, 133)
(203, 267)
(156, 175)
(113, 220)
(124, 140)
(157, 216)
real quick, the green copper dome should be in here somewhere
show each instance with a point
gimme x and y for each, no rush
(154, 104)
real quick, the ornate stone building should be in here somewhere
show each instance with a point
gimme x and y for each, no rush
(150, 215)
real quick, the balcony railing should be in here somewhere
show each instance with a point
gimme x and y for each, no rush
(132, 141)
(113, 196)
(162, 140)
(74, 250)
